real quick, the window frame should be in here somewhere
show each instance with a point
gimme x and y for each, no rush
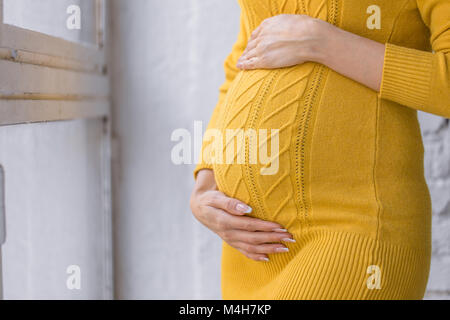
(44, 78)
(33, 55)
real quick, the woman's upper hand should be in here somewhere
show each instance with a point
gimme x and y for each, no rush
(285, 40)
(255, 238)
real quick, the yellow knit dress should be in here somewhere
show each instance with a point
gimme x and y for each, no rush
(350, 183)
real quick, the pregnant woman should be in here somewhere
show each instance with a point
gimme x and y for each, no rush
(347, 212)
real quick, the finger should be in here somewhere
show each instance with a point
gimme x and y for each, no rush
(251, 54)
(253, 256)
(230, 205)
(261, 248)
(259, 237)
(252, 63)
(252, 224)
(250, 46)
(256, 32)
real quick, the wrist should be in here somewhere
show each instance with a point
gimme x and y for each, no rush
(324, 46)
(205, 181)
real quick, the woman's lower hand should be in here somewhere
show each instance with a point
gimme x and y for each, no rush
(255, 238)
(285, 40)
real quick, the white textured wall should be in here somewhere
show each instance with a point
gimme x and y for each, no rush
(167, 67)
(436, 133)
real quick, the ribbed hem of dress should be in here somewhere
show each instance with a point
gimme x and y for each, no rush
(330, 265)
(407, 75)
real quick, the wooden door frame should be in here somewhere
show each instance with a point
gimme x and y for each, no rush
(26, 54)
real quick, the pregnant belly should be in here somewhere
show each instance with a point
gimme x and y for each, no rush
(262, 122)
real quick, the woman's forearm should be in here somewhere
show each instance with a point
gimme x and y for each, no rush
(353, 56)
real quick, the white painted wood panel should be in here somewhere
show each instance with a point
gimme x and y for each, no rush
(30, 79)
(27, 111)
(56, 210)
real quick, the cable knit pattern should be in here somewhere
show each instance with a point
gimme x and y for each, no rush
(350, 184)
(267, 99)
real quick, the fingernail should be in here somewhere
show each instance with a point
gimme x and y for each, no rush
(288, 240)
(282, 249)
(264, 259)
(279, 230)
(243, 208)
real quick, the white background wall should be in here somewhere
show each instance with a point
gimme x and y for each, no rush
(167, 67)
(166, 63)
(436, 133)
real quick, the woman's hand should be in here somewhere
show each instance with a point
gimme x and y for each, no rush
(283, 41)
(255, 238)
(287, 40)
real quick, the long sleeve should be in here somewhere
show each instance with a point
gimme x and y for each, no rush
(420, 79)
(231, 71)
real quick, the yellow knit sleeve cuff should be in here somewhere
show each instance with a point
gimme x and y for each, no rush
(407, 75)
(201, 166)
